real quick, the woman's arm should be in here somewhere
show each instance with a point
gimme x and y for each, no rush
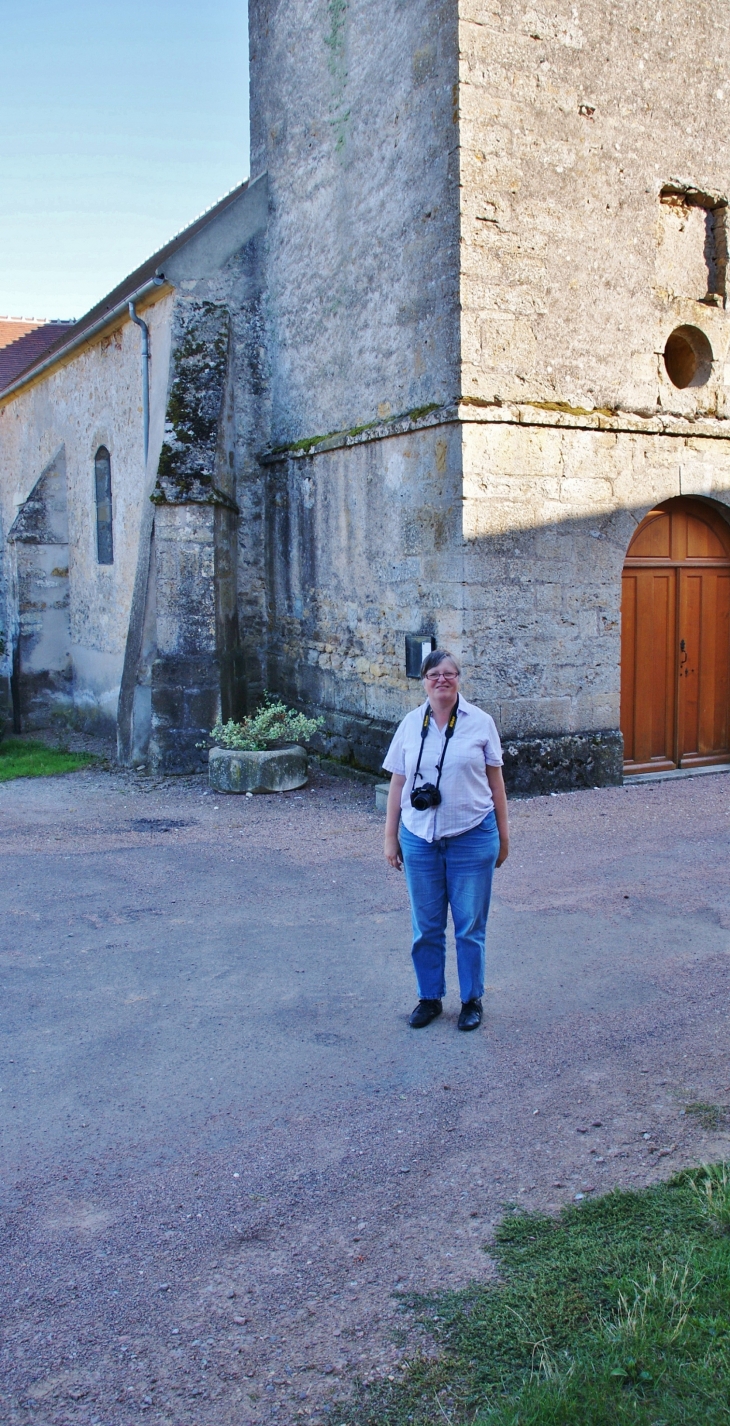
(392, 818)
(496, 783)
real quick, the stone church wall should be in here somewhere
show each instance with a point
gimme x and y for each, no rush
(93, 400)
(6, 642)
(505, 542)
(548, 517)
(38, 578)
(594, 160)
(152, 647)
(194, 672)
(363, 546)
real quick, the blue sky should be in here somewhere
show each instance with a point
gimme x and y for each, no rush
(120, 121)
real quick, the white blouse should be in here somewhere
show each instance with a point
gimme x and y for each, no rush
(466, 796)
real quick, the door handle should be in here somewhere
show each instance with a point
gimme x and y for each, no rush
(683, 650)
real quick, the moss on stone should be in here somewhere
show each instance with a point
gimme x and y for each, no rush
(306, 444)
(358, 430)
(419, 412)
(569, 410)
(186, 466)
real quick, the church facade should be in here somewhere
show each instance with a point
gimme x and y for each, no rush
(454, 366)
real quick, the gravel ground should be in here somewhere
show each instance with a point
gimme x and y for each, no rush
(226, 1155)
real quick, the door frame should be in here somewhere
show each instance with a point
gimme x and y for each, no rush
(720, 523)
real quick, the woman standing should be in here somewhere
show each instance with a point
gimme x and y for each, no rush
(447, 792)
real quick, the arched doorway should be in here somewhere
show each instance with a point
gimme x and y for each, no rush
(675, 639)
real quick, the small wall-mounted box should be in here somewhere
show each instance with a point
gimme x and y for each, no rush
(417, 647)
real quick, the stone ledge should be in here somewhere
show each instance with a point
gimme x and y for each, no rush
(635, 779)
(358, 436)
(382, 790)
(351, 740)
(560, 415)
(340, 769)
(474, 410)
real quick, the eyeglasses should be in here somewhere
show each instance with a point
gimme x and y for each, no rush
(436, 675)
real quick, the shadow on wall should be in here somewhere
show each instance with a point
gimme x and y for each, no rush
(537, 609)
(6, 706)
(42, 673)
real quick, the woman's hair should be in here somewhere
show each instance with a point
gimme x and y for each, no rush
(436, 657)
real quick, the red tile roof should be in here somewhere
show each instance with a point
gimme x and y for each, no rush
(24, 342)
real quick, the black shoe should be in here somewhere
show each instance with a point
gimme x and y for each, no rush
(424, 1013)
(471, 1015)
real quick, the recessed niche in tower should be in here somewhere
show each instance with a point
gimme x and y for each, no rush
(692, 255)
(688, 357)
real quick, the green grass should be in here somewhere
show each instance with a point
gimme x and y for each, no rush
(710, 1116)
(616, 1312)
(24, 758)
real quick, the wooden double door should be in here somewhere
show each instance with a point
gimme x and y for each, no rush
(675, 640)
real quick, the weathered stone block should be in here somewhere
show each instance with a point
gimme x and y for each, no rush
(177, 750)
(202, 706)
(167, 704)
(275, 770)
(563, 764)
(182, 672)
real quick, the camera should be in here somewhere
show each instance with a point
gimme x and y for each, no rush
(424, 797)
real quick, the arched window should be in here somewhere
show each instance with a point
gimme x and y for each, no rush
(103, 476)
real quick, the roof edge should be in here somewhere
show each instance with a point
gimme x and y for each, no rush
(145, 279)
(80, 338)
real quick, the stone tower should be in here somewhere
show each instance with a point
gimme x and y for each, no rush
(496, 335)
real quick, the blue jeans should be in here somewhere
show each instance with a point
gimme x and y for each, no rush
(455, 872)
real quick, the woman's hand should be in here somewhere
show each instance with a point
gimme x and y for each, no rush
(393, 854)
(496, 782)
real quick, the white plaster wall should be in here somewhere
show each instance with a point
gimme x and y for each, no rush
(94, 399)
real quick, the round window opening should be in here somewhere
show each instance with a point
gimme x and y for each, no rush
(688, 357)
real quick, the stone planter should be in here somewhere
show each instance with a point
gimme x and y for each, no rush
(276, 770)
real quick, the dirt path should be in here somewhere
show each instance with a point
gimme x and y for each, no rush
(225, 1153)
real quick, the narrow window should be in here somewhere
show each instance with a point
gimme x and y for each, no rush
(103, 475)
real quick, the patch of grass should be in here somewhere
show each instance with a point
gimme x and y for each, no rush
(616, 1312)
(710, 1116)
(712, 1187)
(25, 758)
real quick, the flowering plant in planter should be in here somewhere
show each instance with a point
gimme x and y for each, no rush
(272, 725)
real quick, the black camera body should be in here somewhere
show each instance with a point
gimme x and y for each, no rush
(425, 796)
(428, 795)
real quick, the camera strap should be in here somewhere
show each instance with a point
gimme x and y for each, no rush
(450, 726)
